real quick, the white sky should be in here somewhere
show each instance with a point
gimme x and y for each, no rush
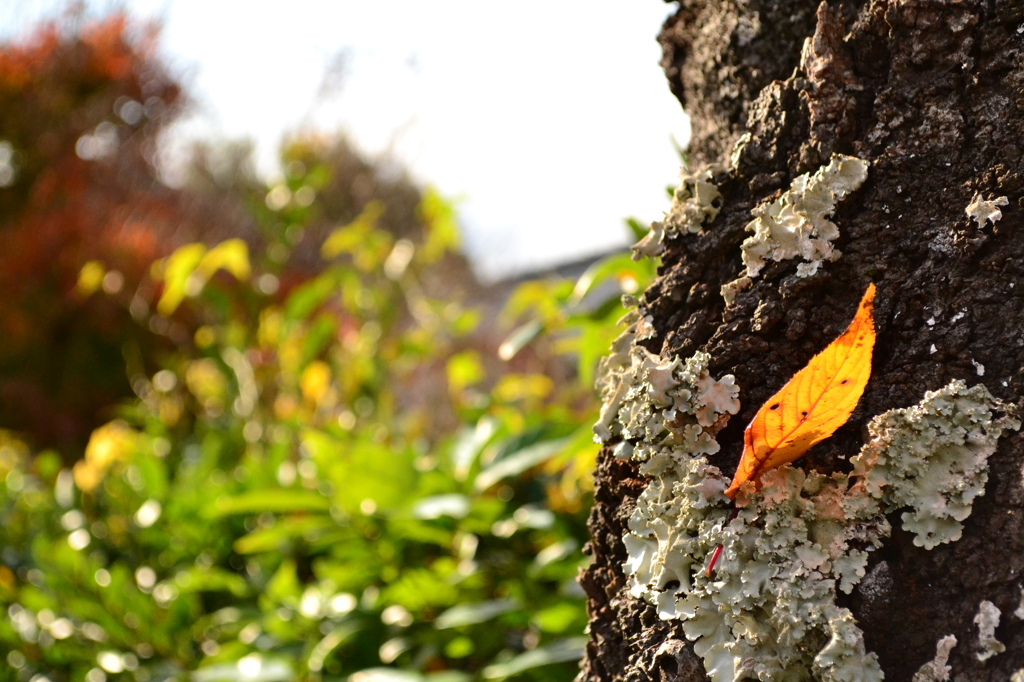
(550, 120)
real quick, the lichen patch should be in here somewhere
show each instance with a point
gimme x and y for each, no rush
(936, 669)
(796, 224)
(731, 289)
(987, 621)
(661, 406)
(769, 610)
(984, 211)
(694, 202)
(933, 458)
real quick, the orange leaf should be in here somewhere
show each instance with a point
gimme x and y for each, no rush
(813, 404)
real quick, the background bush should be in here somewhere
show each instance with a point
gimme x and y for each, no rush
(331, 455)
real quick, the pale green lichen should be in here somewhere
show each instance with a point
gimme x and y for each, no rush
(933, 458)
(609, 384)
(731, 289)
(985, 210)
(660, 404)
(936, 669)
(987, 621)
(769, 611)
(693, 203)
(796, 223)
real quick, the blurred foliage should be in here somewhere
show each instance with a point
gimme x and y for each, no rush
(333, 458)
(278, 502)
(82, 106)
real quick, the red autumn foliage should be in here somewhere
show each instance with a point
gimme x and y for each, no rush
(82, 106)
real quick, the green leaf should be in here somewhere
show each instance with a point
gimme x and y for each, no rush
(518, 462)
(420, 531)
(464, 370)
(471, 614)
(569, 649)
(309, 296)
(387, 675)
(284, 586)
(453, 505)
(593, 343)
(329, 643)
(350, 238)
(419, 588)
(561, 616)
(470, 443)
(321, 333)
(361, 469)
(273, 500)
(278, 535)
(252, 668)
(552, 553)
(542, 299)
(440, 224)
(448, 676)
(465, 321)
(213, 579)
(637, 229)
(619, 270)
(519, 339)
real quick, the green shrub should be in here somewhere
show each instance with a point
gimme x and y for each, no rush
(334, 480)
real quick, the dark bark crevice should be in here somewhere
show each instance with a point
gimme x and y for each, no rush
(932, 93)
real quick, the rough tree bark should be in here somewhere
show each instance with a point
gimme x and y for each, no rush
(931, 92)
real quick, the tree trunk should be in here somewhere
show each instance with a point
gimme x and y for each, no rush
(931, 94)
